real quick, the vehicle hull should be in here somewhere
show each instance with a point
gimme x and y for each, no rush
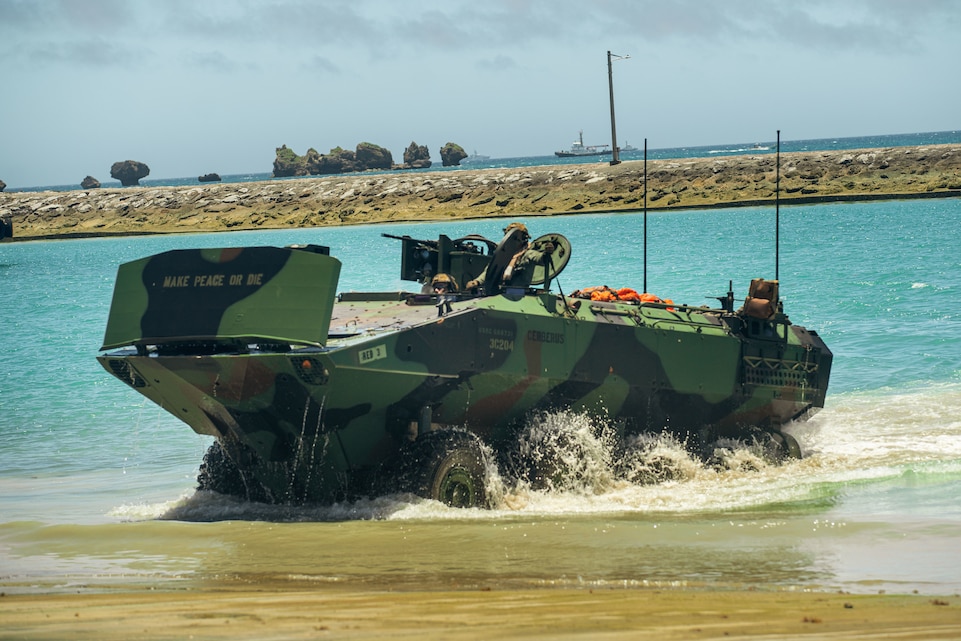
(326, 422)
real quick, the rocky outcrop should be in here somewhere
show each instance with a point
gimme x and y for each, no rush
(287, 163)
(338, 161)
(3, 185)
(209, 178)
(451, 154)
(684, 183)
(129, 172)
(90, 183)
(371, 156)
(416, 157)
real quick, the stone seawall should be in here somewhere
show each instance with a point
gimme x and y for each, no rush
(483, 193)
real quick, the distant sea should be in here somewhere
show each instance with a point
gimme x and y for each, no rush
(734, 149)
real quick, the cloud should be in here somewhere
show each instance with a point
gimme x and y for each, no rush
(92, 52)
(877, 26)
(88, 18)
(321, 64)
(216, 61)
(95, 31)
(523, 73)
(496, 63)
(88, 34)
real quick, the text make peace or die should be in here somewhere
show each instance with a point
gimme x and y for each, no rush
(213, 280)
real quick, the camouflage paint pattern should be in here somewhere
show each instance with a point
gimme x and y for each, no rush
(322, 417)
(219, 294)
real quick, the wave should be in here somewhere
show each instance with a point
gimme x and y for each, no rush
(862, 443)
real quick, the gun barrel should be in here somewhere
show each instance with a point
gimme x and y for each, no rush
(429, 243)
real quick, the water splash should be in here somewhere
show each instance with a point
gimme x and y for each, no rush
(860, 440)
(561, 462)
(566, 452)
(306, 453)
(655, 458)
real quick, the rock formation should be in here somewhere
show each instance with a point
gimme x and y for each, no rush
(288, 163)
(209, 178)
(89, 183)
(371, 156)
(129, 172)
(338, 161)
(416, 157)
(451, 154)
(3, 185)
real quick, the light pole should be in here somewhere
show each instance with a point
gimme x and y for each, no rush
(616, 158)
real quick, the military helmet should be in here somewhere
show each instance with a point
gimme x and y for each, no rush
(444, 279)
(521, 226)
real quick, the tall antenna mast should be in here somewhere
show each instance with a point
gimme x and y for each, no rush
(616, 153)
(645, 215)
(777, 210)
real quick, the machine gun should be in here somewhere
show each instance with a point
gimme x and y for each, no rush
(464, 259)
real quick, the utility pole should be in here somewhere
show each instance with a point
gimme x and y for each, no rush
(616, 157)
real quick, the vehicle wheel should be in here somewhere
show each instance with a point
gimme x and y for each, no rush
(218, 473)
(788, 446)
(450, 467)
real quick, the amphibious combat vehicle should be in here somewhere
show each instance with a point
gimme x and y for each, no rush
(315, 396)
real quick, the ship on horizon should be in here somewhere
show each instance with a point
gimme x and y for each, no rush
(578, 148)
(475, 157)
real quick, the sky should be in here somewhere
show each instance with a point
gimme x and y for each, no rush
(191, 87)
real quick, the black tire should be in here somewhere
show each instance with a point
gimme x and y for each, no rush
(449, 466)
(219, 473)
(788, 446)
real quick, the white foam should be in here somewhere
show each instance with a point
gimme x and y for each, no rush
(859, 438)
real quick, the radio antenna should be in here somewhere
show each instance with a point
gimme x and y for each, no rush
(645, 215)
(777, 210)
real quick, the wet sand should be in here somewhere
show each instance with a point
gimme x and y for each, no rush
(515, 614)
(806, 177)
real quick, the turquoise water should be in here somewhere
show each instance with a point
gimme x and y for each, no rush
(96, 484)
(654, 153)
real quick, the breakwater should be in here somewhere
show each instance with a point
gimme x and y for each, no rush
(895, 172)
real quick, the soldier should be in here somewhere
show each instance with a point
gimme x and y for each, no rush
(514, 268)
(445, 287)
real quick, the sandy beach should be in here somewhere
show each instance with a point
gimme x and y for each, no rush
(353, 199)
(515, 614)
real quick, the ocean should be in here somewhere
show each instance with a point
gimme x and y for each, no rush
(707, 151)
(97, 484)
